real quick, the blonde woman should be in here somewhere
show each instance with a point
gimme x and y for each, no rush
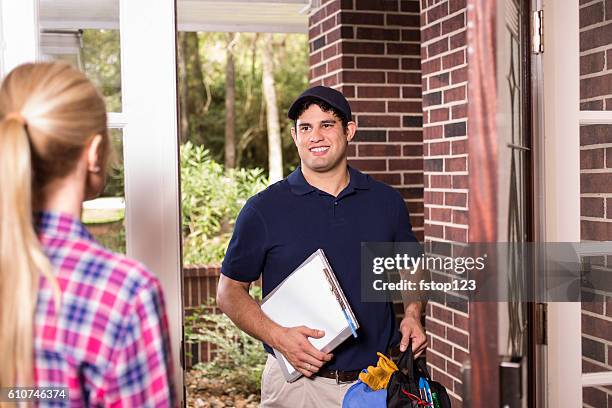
(72, 313)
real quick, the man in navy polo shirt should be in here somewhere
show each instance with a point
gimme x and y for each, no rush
(324, 204)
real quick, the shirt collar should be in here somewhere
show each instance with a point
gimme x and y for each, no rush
(298, 183)
(60, 225)
(359, 180)
(300, 186)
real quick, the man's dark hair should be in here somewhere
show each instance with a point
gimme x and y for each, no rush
(325, 107)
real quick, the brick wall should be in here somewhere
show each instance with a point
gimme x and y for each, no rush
(596, 189)
(369, 50)
(200, 289)
(595, 55)
(402, 64)
(444, 66)
(200, 286)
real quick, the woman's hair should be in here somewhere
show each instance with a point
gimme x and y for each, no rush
(48, 114)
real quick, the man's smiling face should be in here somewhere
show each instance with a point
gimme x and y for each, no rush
(321, 139)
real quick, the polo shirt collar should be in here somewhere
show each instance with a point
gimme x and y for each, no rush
(299, 185)
(358, 180)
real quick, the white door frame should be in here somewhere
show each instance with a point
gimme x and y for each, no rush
(151, 151)
(562, 120)
(18, 20)
(562, 190)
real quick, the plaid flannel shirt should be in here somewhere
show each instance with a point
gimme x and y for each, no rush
(108, 343)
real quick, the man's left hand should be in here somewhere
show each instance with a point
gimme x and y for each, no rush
(410, 327)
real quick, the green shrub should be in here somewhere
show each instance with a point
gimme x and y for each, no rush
(211, 200)
(240, 358)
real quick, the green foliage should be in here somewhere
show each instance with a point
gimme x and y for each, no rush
(114, 240)
(240, 358)
(101, 59)
(212, 198)
(101, 62)
(115, 181)
(205, 83)
(211, 201)
(207, 126)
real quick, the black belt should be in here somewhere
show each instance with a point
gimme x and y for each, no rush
(339, 375)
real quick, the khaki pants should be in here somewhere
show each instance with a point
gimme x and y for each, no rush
(315, 392)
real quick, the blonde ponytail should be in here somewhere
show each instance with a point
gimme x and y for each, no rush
(48, 112)
(21, 259)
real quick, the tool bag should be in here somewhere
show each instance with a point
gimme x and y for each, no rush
(403, 388)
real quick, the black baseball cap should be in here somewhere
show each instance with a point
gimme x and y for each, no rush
(329, 95)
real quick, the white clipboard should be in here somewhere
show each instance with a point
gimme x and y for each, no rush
(311, 296)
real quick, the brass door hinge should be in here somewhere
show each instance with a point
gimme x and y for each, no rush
(538, 32)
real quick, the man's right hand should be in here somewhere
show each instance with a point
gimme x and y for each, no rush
(234, 300)
(293, 343)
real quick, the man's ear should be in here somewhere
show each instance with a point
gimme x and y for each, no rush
(93, 154)
(294, 135)
(351, 129)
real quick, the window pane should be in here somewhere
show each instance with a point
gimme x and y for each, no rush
(88, 38)
(101, 56)
(105, 216)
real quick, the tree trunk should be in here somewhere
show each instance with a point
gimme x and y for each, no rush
(275, 151)
(230, 104)
(183, 87)
(191, 96)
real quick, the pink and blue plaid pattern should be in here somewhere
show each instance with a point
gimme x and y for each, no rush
(108, 343)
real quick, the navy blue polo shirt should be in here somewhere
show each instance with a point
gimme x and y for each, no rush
(281, 226)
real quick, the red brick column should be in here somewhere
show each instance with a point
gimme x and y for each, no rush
(199, 289)
(444, 66)
(369, 50)
(383, 55)
(596, 187)
(595, 55)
